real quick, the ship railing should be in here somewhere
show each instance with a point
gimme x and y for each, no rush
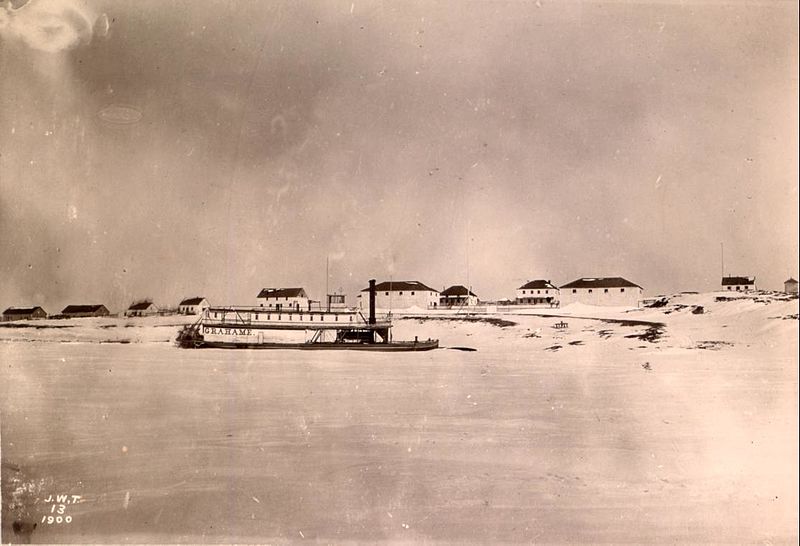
(245, 316)
(260, 309)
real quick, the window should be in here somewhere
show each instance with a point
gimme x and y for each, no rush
(538, 291)
(574, 291)
(590, 290)
(412, 293)
(622, 290)
(268, 317)
(386, 294)
(401, 293)
(605, 290)
(256, 316)
(336, 318)
(523, 292)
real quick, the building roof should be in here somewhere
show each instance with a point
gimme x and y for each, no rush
(82, 309)
(601, 282)
(282, 293)
(393, 286)
(192, 301)
(457, 290)
(539, 283)
(140, 306)
(21, 310)
(726, 281)
(790, 280)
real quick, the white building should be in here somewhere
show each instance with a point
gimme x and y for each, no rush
(142, 309)
(538, 292)
(457, 296)
(193, 306)
(738, 284)
(401, 295)
(790, 286)
(610, 291)
(284, 299)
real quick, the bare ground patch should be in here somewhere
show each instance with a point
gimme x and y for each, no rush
(712, 345)
(500, 323)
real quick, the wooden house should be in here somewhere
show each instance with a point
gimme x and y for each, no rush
(537, 292)
(142, 309)
(193, 306)
(24, 313)
(457, 296)
(285, 299)
(402, 295)
(75, 311)
(608, 291)
(738, 284)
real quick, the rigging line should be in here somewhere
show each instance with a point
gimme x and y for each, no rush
(234, 167)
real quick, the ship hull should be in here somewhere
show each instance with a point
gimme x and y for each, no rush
(393, 346)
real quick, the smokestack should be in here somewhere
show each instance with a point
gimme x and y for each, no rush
(372, 301)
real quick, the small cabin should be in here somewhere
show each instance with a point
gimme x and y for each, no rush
(193, 306)
(457, 296)
(24, 313)
(142, 309)
(790, 286)
(284, 299)
(738, 284)
(76, 311)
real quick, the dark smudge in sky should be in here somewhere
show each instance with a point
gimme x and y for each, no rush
(218, 147)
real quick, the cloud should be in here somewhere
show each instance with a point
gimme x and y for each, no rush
(48, 25)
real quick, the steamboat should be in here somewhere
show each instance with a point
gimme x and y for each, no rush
(293, 328)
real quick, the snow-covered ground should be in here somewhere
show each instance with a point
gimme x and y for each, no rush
(649, 425)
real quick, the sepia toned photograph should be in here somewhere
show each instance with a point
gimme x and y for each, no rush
(417, 272)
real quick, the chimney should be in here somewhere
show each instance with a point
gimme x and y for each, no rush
(372, 301)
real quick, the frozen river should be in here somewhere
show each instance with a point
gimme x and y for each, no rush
(607, 439)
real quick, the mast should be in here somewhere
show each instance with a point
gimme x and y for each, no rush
(469, 288)
(327, 277)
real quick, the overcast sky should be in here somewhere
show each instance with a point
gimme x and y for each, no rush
(170, 149)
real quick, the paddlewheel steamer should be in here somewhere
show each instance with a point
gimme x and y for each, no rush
(260, 328)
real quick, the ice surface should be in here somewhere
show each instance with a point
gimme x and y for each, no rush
(688, 437)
